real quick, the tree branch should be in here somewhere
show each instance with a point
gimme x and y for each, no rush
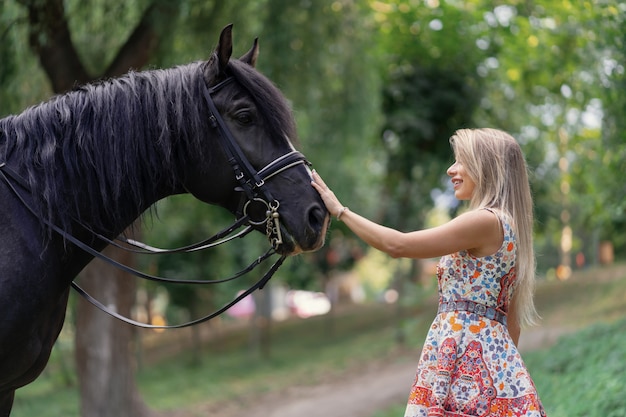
(140, 46)
(50, 39)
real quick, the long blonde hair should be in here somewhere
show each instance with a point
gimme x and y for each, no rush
(494, 161)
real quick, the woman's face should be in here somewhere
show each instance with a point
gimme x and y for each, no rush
(463, 184)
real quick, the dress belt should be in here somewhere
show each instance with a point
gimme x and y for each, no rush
(473, 307)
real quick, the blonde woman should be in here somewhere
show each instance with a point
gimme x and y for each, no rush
(470, 365)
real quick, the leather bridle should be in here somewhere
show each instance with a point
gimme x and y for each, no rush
(254, 191)
(251, 181)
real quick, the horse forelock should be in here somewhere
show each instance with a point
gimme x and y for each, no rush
(118, 140)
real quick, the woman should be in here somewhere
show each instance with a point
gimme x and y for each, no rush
(470, 365)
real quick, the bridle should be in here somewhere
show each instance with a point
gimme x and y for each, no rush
(251, 181)
(254, 191)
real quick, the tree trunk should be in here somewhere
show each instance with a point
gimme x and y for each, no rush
(104, 352)
(104, 355)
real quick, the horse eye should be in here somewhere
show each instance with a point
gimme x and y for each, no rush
(244, 118)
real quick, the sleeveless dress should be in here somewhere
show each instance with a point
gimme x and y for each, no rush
(469, 365)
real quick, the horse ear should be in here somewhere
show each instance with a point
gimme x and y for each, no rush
(251, 56)
(224, 48)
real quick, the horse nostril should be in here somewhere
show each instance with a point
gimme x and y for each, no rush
(317, 215)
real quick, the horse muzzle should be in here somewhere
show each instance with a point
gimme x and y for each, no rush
(309, 237)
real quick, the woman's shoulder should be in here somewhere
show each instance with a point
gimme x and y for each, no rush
(505, 221)
(492, 227)
(483, 215)
(478, 220)
(503, 217)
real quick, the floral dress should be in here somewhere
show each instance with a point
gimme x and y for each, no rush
(469, 364)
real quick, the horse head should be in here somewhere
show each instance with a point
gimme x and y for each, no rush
(254, 123)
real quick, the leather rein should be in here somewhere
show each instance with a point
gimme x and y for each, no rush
(251, 183)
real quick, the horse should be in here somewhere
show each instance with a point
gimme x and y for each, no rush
(86, 164)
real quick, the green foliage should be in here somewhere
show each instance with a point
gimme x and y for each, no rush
(22, 82)
(7, 49)
(395, 411)
(551, 71)
(101, 27)
(583, 374)
(612, 148)
(322, 60)
(432, 89)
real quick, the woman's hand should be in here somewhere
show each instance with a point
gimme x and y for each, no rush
(330, 200)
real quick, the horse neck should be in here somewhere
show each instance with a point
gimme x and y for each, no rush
(105, 153)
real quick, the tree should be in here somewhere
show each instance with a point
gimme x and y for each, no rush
(103, 357)
(431, 90)
(553, 100)
(611, 60)
(103, 346)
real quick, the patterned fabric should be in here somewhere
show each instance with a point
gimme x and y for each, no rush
(469, 364)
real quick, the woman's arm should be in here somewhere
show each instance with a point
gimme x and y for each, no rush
(477, 231)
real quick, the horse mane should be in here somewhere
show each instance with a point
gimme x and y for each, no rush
(111, 139)
(118, 140)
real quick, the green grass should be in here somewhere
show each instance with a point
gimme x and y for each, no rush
(583, 374)
(302, 351)
(318, 349)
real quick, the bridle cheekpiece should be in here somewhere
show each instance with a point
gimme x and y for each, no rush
(251, 181)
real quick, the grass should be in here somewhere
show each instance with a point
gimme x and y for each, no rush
(323, 348)
(303, 351)
(583, 374)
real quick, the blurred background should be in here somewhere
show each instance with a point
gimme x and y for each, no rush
(377, 88)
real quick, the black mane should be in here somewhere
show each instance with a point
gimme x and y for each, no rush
(100, 138)
(118, 140)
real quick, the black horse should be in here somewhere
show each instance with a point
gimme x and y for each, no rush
(91, 161)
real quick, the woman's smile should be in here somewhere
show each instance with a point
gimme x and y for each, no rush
(463, 185)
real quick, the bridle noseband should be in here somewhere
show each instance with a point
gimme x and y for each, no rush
(251, 183)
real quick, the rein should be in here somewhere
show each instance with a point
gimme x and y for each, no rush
(251, 182)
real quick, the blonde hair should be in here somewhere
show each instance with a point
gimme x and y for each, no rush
(494, 161)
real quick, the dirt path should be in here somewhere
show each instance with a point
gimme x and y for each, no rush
(356, 393)
(353, 395)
